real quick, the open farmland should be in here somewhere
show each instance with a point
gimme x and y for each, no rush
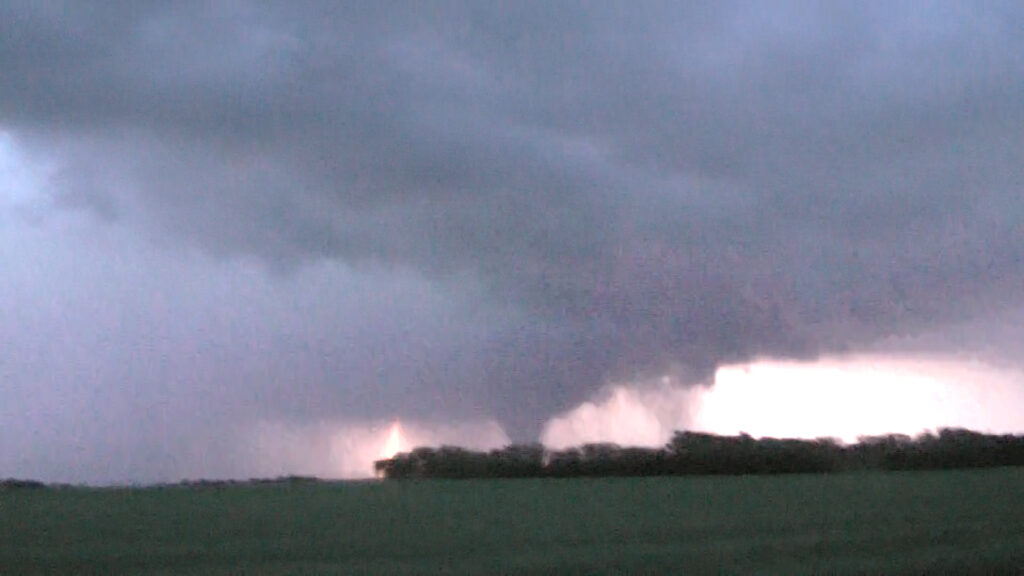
(915, 522)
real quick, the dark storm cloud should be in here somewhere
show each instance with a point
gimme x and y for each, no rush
(649, 186)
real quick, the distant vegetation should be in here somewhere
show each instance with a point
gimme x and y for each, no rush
(279, 481)
(16, 484)
(693, 453)
(12, 484)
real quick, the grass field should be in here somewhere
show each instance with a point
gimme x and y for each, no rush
(961, 522)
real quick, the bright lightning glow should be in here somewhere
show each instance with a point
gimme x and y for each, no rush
(395, 442)
(349, 449)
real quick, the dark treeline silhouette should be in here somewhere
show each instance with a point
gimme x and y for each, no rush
(9, 484)
(694, 453)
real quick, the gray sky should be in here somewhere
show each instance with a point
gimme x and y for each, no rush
(214, 214)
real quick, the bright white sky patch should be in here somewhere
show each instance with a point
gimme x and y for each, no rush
(850, 397)
(21, 181)
(644, 416)
(833, 397)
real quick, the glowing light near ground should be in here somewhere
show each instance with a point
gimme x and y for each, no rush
(394, 443)
(349, 449)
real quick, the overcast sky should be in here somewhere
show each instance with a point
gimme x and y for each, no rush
(219, 215)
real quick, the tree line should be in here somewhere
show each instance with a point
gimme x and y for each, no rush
(696, 453)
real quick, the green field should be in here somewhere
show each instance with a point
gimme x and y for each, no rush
(871, 523)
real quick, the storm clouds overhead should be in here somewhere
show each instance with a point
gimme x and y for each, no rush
(219, 214)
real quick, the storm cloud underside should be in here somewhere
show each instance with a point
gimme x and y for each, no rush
(549, 197)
